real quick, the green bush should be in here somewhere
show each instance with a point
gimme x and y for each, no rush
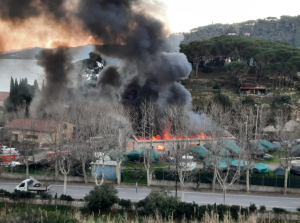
(280, 210)
(4, 193)
(21, 195)
(103, 197)
(68, 198)
(127, 204)
(216, 86)
(160, 201)
(140, 204)
(46, 196)
(207, 70)
(262, 208)
(252, 208)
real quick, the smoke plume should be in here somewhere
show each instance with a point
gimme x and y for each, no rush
(55, 62)
(150, 64)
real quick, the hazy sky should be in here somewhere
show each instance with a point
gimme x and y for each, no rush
(184, 15)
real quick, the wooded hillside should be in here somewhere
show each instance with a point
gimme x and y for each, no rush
(287, 28)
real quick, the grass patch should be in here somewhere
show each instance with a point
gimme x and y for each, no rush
(131, 176)
(274, 160)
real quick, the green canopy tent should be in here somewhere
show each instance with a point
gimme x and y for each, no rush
(260, 147)
(238, 163)
(270, 146)
(230, 145)
(261, 168)
(212, 159)
(133, 155)
(223, 151)
(200, 150)
(143, 151)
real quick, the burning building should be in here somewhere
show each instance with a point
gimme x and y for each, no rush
(163, 144)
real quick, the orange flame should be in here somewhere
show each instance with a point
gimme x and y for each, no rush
(166, 136)
(161, 147)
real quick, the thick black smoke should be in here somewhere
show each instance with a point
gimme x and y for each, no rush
(150, 64)
(18, 11)
(55, 62)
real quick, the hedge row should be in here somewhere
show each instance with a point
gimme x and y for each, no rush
(255, 179)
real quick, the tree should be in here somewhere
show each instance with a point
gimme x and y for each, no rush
(197, 51)
(148, 127)
(177, 124)
(101, 198)
(286, 152)
(64, 163)
(238, 69)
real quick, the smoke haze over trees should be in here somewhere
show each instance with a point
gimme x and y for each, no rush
(286, 28)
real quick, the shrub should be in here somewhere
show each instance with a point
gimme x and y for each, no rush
(298, 209)
(160, 201)
(67, 198)
(186, 210)
(207, 70)
(103, 197)
(280, 210)
(4, 193)
(252, 208)
(248, 101)
(262, 208)
(140, 204)
(46, 196)
(125, 204)
(216, 86)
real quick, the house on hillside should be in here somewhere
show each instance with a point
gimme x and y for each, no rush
(252, 89)
(40, 131)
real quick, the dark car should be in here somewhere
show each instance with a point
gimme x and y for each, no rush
(295, 170)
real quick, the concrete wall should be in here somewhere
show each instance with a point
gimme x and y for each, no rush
(43, 178)
(235, 187)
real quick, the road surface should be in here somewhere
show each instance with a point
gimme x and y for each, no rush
(200, 198)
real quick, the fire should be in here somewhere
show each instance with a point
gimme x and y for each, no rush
(167, 136)
(160, 147)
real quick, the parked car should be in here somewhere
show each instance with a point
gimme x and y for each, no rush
(295, 170)
(170, 159)
(268, 156)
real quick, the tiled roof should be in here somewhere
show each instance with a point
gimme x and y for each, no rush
(3, 95)
(34, 124)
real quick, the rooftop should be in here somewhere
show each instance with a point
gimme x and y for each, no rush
(3, 95)
(34, 125)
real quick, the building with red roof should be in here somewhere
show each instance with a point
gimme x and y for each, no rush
(3, 96)
(40, 131)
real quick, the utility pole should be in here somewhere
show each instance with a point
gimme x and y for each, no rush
(257, 107)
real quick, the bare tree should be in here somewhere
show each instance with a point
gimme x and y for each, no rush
(147, 130)
(64, 163)
(177, 125)
(286, 153)
(112, 132)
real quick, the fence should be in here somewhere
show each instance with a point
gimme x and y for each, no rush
(254, 179)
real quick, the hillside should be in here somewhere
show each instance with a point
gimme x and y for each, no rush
(78, 53)
(287, 29)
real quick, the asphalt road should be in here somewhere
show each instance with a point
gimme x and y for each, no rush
(200, 198)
